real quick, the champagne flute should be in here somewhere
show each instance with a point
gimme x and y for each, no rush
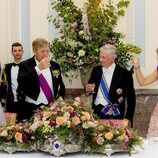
(92, 86)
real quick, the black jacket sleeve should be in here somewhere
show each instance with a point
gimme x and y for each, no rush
(131, 98)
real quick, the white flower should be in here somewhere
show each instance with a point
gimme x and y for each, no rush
(45, 123)
(67, 115)
(81, 33)
(92, 124)
(3, 133)
(69, 54)
(83, 118)
(68, 123)
(36, 119)
(81, 53)
(77, 101)
(35, 125)
(61, 22)
(85, 125)
(72, 43)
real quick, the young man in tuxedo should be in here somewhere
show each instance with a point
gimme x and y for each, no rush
(112, 87)
(9, 82)
(40, 80)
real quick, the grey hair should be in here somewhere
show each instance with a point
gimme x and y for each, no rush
(112, 50)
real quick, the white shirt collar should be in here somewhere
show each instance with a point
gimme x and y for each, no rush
(110, 68)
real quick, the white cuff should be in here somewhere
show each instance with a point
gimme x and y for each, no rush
(38, 70)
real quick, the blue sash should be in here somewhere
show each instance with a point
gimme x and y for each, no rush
(110, 109)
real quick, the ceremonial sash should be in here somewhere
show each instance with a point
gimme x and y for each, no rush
(45, 88)
(110, 109)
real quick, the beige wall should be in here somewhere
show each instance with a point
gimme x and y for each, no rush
(39, 27)
(151, 40)
(4, 31)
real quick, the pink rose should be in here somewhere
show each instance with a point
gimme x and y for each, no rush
(100, 140)
(74, 25)
(18, 137)
(75, 121)
(126, 139)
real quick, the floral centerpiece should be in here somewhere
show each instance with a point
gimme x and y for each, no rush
(67, 126)
(16, 137)
(66, 120)
(83, 31)
(115, 133)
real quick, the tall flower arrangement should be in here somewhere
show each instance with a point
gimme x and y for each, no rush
(83, 31)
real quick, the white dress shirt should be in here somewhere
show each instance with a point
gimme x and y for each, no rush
(14, 82)
(108, 73)
(42, 98)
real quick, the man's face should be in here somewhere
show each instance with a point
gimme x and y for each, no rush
(105, 59)
(17, 52)
(42, 52)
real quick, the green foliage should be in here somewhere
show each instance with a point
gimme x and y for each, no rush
(136, 141)
(83, 32)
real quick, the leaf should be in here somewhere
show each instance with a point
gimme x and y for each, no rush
(121, 12)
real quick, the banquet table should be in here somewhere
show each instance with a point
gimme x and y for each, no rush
(150, 149)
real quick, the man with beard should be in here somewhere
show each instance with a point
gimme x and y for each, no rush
(9, 82)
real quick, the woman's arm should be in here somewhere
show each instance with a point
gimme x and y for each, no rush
(143, 80)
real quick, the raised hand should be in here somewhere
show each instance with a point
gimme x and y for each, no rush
(135, 62)
(44, 63)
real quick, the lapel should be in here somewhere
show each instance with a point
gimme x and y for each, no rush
(8, 72)
(54, 79)
(99, 75)
(115, 78)
(32, 62)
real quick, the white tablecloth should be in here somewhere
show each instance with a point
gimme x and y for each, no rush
(150, 150)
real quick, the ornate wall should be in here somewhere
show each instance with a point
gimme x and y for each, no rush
(145, 105)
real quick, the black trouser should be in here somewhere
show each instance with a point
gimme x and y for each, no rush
(27, 110)
(14, 107)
